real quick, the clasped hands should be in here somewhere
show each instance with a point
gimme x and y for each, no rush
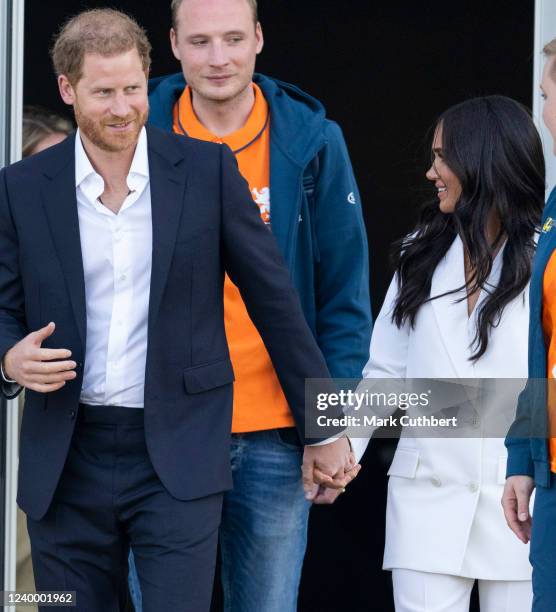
(327, 470)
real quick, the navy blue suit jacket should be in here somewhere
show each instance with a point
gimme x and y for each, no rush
(204, 223)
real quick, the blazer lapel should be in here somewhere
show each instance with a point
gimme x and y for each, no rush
(492, 282)
(60, 203)
(168, 176)
(451, 314)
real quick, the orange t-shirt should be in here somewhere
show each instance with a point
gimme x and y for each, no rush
(549, 325)
(259, 402)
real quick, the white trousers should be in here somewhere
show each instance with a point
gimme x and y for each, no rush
(427, 592)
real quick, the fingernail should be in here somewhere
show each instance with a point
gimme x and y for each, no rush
(523, 516)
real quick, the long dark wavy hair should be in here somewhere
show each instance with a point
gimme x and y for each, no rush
(493, 148)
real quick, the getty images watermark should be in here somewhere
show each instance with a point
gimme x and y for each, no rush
(355, 401)
(450, 408)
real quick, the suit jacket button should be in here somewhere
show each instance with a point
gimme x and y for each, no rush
(436, 482)
(72, 414)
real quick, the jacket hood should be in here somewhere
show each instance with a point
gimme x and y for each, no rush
(297, 119)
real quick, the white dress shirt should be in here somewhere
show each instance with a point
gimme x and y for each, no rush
(117, 257)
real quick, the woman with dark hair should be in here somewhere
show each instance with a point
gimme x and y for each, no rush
(458, 308)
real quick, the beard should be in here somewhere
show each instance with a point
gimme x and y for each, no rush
(100, 134)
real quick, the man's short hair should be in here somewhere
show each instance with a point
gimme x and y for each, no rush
(106, 32)
(177, 3)
(549, 51)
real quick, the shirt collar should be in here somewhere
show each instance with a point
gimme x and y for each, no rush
(139, 164)
(256, 123)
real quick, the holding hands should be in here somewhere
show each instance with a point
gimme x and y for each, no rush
(327, 470)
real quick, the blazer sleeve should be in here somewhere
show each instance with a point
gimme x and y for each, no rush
(389, 344)
(387, 355)
(12, 307)
(254, 263)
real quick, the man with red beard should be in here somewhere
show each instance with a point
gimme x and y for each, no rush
(113, 246)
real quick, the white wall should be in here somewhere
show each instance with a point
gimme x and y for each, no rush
(545, 30)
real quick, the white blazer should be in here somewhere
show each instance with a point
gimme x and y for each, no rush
(444, 513)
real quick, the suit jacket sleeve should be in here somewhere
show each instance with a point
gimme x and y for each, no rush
(12, 308)
(254, 263)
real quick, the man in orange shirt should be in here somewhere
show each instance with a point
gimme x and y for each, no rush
(298, 170)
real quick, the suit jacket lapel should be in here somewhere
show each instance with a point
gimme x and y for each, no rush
(60, 203)
(451, 314)
(168, 170)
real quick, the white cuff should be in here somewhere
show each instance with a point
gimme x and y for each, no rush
(7, 380)
(332, 439)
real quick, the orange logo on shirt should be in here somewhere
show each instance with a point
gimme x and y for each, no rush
(262, 198)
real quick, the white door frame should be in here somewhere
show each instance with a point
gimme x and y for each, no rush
(11, 111)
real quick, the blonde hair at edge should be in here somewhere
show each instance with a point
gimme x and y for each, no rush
(549, 50)
(38, 123)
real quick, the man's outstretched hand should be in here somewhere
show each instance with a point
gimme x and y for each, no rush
(332, 466)
(40, 369)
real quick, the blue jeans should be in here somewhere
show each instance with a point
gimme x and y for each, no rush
(263, 534)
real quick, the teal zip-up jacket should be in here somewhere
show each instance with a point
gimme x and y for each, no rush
(527, 439)
(322, 237)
